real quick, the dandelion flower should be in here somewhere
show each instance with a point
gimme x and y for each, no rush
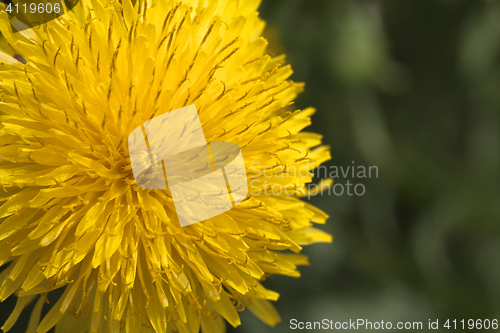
(71, 215)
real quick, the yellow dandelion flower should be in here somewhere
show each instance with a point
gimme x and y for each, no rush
(71, 214)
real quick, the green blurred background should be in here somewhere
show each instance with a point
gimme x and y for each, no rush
(413, 87)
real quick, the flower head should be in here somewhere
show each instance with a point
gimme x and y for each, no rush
(72, 216)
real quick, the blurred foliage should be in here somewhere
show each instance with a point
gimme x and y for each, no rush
(412, 87)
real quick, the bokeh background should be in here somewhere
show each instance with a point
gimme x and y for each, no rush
(412, 87)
